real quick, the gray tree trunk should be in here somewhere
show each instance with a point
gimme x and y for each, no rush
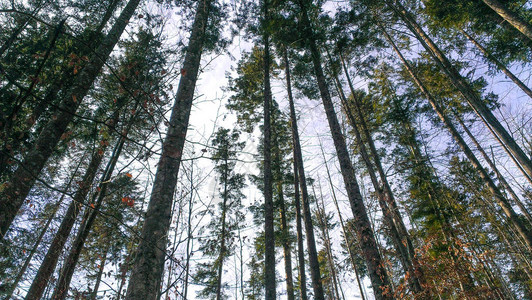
(307, 218)
(148, 268)
(269, 236)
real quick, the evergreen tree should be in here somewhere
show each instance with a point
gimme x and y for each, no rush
(225, 220)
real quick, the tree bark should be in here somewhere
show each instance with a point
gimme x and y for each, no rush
(148, 268)
(464, 87)
(327, 239)
(307, 218)
(299, 231)
(344, 231)
(269, 236)
(223, 251)
(16, 189)
(189, 232)
(406, 239)
(284, 224)
(389, 218)
(377, 273)
(511, 17)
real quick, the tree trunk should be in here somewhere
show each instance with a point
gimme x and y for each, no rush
(16, 190)
(344, 231)
(49, 263)
(307, 218)
(174, 247)
(269, 236)
(416, 273)
(41, 235)
(499, 64)
(327, 239)
(284, 226)
(492, 165)
(108, 14)
(299, 231)
(99, 276)
(297, 196)
(223, 251)
(501, 200)
(147, 271)
(377, 273)
(522, 25)
(123, 273)
(189, 232)
(405, 254)
(91, 211)
(241, 271)
(464, 87)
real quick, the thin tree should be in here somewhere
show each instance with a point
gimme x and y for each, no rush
(227, 218)
(269, 237)
(307, 218)
(498, 63)
(323, 220)
(344, 230)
